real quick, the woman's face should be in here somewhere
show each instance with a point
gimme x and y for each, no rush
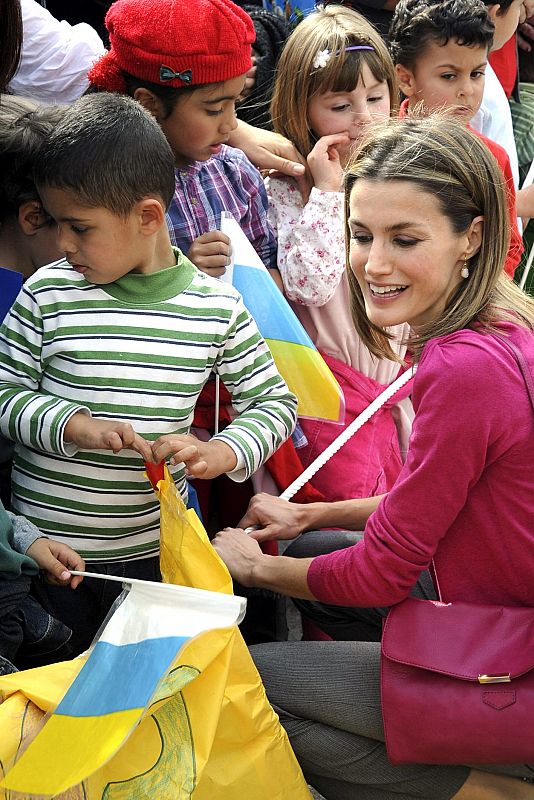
(404, 252)
(353, 112)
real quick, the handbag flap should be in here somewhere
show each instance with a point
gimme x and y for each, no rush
(464, 640)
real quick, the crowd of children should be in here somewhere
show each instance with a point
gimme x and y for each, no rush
(115, 323)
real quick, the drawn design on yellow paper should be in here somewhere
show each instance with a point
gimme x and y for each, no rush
(171, 735)
(29, 720)
(161, 746)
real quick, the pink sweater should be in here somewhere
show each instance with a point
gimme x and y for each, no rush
(465, 496)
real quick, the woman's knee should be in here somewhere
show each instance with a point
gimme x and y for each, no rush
(315, 543)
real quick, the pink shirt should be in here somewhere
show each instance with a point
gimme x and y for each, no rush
(465, 496)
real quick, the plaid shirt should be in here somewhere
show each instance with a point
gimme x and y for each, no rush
(226, 182)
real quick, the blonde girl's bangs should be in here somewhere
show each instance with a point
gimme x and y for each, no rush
(328, 31)
(344, 70)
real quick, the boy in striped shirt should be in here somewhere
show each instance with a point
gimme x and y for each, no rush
(104, 354)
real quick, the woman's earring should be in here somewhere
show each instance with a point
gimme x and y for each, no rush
(464, 272)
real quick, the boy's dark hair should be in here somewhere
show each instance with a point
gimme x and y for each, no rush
(169, 96)
(417, 23)
(24, 129)
(110, 153)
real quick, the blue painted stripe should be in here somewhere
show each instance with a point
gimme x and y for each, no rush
(119, 677)
(271, 311)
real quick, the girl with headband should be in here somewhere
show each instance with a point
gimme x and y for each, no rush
(335, 79)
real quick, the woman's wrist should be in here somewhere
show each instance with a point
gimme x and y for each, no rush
(259, 571)
(349, 514)
(281, 574)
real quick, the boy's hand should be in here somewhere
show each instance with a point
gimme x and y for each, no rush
(56, 559)
(210, 253)
(250, 79)
(202, 459)
(325, 164)
(88, 433)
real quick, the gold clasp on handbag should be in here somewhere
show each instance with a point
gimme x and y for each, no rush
(494, 678)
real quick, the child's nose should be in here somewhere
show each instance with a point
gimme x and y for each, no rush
(64, 243)
(360, 115)
(466, 88)
(228, 121)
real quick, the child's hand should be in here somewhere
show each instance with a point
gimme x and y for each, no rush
(88, 433)
(250, 79)
(56, 559)
(324, 162)
(202, 459)
(268, 150)
(210, 253)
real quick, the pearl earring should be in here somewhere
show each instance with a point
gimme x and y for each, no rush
(464, 272)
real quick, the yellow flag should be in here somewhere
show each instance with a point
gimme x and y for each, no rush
(208, 732)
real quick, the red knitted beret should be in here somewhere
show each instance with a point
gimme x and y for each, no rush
(174, 43)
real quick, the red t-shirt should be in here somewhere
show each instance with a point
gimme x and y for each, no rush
(504, 62)
(515, 250)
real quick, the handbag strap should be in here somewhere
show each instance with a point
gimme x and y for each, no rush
(523, 366)
(527, 376)
(349, 431)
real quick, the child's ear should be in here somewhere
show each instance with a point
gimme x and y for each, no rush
(149, 101)
(151, 215)
(406, 80)
(493, 11)
(32, 217)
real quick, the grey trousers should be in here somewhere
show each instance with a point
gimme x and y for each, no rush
(327, 695)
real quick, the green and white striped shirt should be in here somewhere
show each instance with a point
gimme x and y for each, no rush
(137, 350)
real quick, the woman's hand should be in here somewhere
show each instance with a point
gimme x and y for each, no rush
(56, 559)
(240, 553)
(324, 162)
(211, 253)
(202, 459)
(274, 518)
(277, 519)
(250, 567)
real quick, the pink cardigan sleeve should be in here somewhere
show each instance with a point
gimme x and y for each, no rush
(459, 428)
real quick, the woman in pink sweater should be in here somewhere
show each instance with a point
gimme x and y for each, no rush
(428, 238)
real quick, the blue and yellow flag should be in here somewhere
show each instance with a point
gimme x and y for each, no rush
(168, 705)
(296, 357)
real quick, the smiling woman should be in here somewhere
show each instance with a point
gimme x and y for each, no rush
(395, 253)
(428, 239)
(434, 241)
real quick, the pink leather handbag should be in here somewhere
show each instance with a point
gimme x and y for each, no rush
(457, 683)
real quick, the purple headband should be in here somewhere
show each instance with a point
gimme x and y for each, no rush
(323, 56)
